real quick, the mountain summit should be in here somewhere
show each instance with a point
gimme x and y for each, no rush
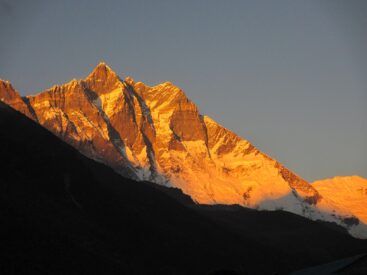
(157, 134)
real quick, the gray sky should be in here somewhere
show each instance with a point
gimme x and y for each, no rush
(289, 76)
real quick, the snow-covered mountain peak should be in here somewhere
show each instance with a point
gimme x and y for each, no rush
(157, 133)
(345, 195)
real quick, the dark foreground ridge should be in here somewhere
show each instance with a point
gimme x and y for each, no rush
(63, 213)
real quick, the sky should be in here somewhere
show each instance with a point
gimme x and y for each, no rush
(289, 76)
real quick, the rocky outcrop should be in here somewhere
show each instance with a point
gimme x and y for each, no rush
(11, 97)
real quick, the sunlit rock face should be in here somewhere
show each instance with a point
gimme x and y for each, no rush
(11, 97)
(212, 164)
(158, 134)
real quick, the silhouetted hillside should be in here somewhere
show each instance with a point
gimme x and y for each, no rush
(63, 213)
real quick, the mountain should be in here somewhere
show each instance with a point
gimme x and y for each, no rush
(9, 95)
(347, 195)
(63, 213)
(157, 134)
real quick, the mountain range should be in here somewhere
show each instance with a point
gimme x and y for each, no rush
(64, 213)
(157, 134)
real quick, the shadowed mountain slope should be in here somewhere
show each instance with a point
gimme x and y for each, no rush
(64, 213)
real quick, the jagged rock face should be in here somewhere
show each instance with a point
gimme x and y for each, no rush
(11, 97)
(158, 134)
(67, 112)
(209, 162)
